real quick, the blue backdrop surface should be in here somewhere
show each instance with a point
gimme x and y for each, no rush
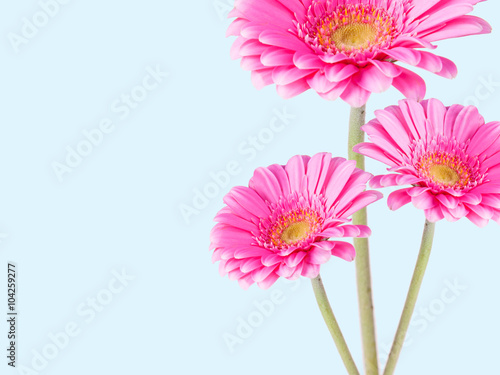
(116, 116)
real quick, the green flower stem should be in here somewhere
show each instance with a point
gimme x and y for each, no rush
(411, 299)
(363, 273)
(333, 326)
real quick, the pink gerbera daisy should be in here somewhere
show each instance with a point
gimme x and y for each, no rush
(449, 155)
(347, 48)
(278, 226)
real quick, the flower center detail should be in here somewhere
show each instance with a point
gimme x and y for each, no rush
(354, 36)
(446, 170)
(350, 29)
(444, 174)
(295, 232)
(295, 221)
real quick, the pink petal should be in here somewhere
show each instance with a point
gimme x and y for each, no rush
(223, 234)
(236, 221)
(235, 48)
(292, 89)
(461, 26)
(355, 95)
(373, 80)
(251, 63)
(373, 151)
(340, 72)
(405, 55)
(346, 231)
(242, 199)
(283, 75)
(265, 183)
(450, 119)
(418, 190)
(466, 123)
(396, 129)
(283, 39)
(235, 28)
(285, 271)
(335, 92)
(483, 138)
(262, 78)
(251, 264)
(295, 7)
(477, 220)
(246, 281)
(282, 178)
(341, 174)
(249, 251)
(361, 201)
(410, 84)
(294, 259)
(262, 273)
(483, 211)
(393, 180)
(317, 172)
(435, 113)
(276, 57)
(414, 117)
(271, 259)
(307, 61)
(448, 201)
(319, 255)
(387, 68)
(252, 47)
(459, 212)
(449, 69)
(296, 169)
(268, 281)
(491, 200)
(398, 199)
(310, 270)
(270, 12)
(424, 201)
(320, 84)
(344, 250)
(434, 214)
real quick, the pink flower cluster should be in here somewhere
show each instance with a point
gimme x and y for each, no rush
(287, 222)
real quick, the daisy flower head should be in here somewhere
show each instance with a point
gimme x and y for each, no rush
(347, 48)
(448, 155)
(280, 224)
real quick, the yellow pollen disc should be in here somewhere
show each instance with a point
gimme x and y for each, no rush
(295, 232)
(444, 174)
(354, 35)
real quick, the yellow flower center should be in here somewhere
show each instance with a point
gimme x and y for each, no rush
(295, 232)
(447, 170)
(444, 174)
(351, 29)
(354, 36)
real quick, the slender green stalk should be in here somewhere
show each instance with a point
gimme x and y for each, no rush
(333, 326)
(411, 299)
(363, 273)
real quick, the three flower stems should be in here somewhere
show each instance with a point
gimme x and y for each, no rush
(363, 277)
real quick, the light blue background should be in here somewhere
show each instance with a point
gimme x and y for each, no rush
(119, 210)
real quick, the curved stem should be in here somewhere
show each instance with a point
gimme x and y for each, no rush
(411, 299)
(363, 272)
(333, 326)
